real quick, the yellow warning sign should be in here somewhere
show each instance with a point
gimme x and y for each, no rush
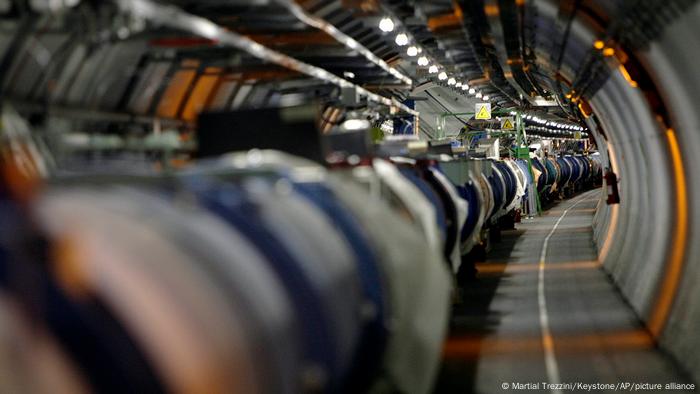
(507, 123)
(483, 110)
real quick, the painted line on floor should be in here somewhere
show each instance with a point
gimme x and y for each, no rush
(571, 343)
(550, 359)
(500, 268)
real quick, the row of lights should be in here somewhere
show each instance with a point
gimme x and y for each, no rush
(387, 25)
(539, 129)
(551, 123)
(562, 139)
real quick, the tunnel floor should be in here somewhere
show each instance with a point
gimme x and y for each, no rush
(497, 337)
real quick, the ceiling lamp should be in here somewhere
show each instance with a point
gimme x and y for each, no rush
(486, 98)
(451, 81)
(433, 69)
(478, 95)
(422, 61)
(386, 25)
(472, 91)
(412, 51)
(401, 39)
(465, 87)
(356, 124)
(458, 85)
(442, 76)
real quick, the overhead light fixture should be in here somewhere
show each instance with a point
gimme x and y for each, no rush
(433, 69)
(472, 91)
(423, 61)
(451, 81)
(465, 87)
(386, 25)
(486, 98)
(401, 39)
(442, 76)
(458, 85)
(627, 76)
(478, 95)
(412, 51)
(349, 74)
(356, 124)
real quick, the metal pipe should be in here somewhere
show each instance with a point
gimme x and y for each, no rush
(343, 38)
(174, 17)
(60, 111)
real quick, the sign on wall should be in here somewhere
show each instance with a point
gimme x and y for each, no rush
(508, 123)
(483, 111)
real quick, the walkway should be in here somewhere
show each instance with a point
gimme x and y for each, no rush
(543, 310)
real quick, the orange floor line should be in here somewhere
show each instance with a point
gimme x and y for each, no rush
(497, 267)
(475, 346)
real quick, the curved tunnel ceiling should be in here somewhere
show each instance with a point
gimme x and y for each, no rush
(627, 67)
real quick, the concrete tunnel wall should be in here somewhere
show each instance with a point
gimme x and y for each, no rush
(647, 243)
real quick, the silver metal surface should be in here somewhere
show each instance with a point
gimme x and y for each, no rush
(343, 38)
(176, 18)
